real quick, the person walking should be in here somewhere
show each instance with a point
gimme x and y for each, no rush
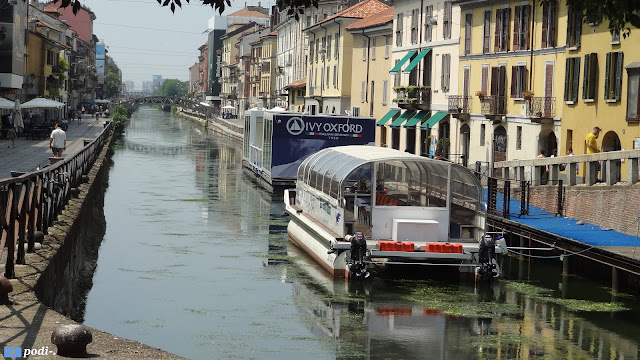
(58, 141)
(544, 175)
(11, 135)
(592, 146)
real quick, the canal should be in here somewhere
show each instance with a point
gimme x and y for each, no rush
(196, 261)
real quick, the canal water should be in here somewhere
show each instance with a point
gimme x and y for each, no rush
(196, 261)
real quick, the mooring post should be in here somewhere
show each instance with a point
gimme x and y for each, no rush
(614, 280)
(565, 264)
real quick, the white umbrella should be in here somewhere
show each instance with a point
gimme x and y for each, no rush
(17, 117)
(6, 104)
(42, 103)
(228, 107)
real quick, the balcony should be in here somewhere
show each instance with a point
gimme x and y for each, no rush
(55, 69)
(413, 97)
(494, 107)
(540, 108)
(255, 78)
(459, 106)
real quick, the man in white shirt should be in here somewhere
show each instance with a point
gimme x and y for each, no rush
(58, 141)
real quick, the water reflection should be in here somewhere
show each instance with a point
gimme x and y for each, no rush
(196, 261)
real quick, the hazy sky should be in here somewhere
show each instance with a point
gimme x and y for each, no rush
(146, 39)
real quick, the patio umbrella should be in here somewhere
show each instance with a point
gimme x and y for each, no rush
(42, 103)
(6, 104)
(18, 124)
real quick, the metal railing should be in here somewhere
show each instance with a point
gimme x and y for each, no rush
(459, 104)
(494, 105)
(541, 107)
(31, 202)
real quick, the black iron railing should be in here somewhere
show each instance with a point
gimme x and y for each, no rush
(541, 107)
(459, 104)
(494, 105)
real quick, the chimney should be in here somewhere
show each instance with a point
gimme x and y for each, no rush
(259, 5)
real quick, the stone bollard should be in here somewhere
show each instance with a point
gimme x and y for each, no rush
(71, 340)
(74, 192)
(85, 178)
(5, 289)
(38, 236)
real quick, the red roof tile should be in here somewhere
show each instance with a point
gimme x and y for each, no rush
(359, 10)
(248, 13)
(381, 18)
(298, 83)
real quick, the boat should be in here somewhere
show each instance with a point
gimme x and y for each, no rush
(359, 210)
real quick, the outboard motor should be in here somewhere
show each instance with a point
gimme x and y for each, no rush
(358, 252)
(486, 255)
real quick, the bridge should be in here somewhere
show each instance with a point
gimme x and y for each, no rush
(202, 108)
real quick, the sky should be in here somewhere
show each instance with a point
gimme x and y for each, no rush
(146, 39)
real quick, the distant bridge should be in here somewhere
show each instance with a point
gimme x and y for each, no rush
(190, 104)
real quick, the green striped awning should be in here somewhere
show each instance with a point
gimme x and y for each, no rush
(387, 117)
(401, 62)
(415, 61)
(416, 119)
(402, 118)
(433, 120)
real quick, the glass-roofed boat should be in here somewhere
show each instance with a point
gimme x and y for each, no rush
(360, 209)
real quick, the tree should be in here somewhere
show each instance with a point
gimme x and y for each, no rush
(173, 87)
(113, 80)
(621, 13)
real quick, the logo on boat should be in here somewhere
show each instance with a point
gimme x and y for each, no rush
(325, 207)
(295, 126)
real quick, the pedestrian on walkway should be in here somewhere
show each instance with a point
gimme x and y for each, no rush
(11, 135)
(58, 141)
(544, 175)
(592, 146)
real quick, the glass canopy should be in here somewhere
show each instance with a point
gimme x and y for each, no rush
(417, 180)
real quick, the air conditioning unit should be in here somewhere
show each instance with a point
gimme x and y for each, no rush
(432, 21)
(355, 111)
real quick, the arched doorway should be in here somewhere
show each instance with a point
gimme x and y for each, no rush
(465, 131)
(552, 144)
(499, 147)
(611, 142)
(444, 134)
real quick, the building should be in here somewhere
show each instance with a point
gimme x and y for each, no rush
(330, 59)
(129, 86)
(12, 47)
(231, 60)
(370, 80)
(101, 70)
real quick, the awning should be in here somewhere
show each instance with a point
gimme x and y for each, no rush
(401, 62)
(415, 61)
(402, 118)
(387, 117)
(433, 120)
(416, 119)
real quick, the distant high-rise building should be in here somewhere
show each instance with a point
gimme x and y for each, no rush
(129, 86)
(146, 86)
(156, 81)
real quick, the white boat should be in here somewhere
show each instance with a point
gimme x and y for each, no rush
(406, 210)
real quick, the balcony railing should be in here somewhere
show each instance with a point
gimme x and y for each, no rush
(414, 99)
(459, 104)
(494, 105)
(541, 107)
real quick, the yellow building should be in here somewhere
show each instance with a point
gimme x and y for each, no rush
(296, 91)
(371, 61)
(231, 58)
(330, 59)
(511, 78)
(601, 89)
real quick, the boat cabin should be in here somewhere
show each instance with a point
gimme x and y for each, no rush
(390, 195)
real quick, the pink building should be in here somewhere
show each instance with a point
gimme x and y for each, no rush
(82, 22)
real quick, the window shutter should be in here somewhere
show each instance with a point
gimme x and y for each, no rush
(514, 76)
(567, 78)
(329, 47)
(442, 70)
(516, 28)
(494, 80)
(506, 28)
(362, 92)
(373, 48)
(364, 49)
(569, 25)
(578, 24)
(485, 80)
(487, 32)
(593, 69)
(467, 34)
(449, 71)
(496, 44)
(606, 76)
(385, 84)
(618, 86)
(527, 12)
(576, 78)
(545, 24)
(553, 21)
(585, 76)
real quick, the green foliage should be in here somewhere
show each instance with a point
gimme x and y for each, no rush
(412, 88)
(120, 115)
(173, 87)
(113, 80)
(399, 88)
(64, 67)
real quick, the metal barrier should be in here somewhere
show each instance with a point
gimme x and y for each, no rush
(31, 202)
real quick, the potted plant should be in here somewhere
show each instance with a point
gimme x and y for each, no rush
(481, 94)
(527, 94)
(411, 90)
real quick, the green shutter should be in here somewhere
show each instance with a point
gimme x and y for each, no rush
(567, 79)
(576, 78)
(569, 23)
(606, 76)
(578, 24)
(585, 77)
(618, 86)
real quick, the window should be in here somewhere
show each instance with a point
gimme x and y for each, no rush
(364, 50)
(615, 37)
(399, 30)
(590, 76)
(502, 30)
(519, 138)
(362, 92)
(322, 77)
(335, 76)
(549, 23)
(387, 42)
(446, 20)
(355, 111)
(569, 140)
(518, 81)
(574, 27)
(317, 45)
(324, 47)
(467, 33)
(335, 55)
(482, 134)
(385, 89)
(521, 28)
(487, 32)
(315, 78)
(373, 48)
(484, 81)
(327, 78)
(429, 15)
(415, 14)
(633, 85)
(446, 69)
(396, 78)
(308, 21)
(571, 79)
(613, 76)
(328, 47)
